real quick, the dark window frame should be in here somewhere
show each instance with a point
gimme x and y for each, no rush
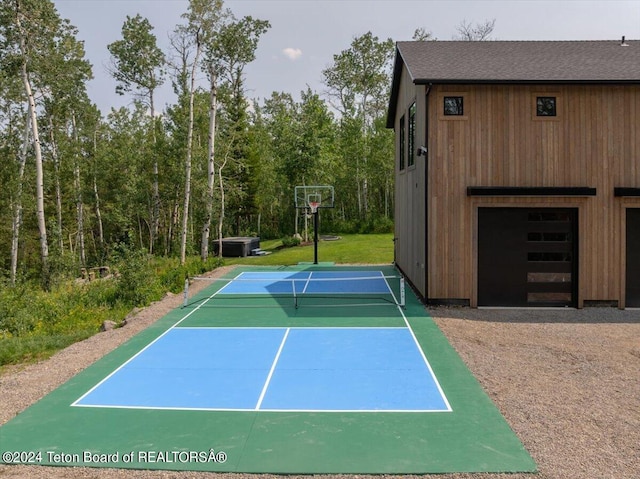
(453, 105)
(546, 106)
(403, 144)
(411, 159)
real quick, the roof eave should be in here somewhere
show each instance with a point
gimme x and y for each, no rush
(395, 88)
(470, 81)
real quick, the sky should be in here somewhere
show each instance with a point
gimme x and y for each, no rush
(305, 34)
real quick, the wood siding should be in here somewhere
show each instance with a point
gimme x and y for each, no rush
(594, 141)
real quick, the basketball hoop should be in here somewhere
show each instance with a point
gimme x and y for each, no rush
(313, 205)
(310, 199)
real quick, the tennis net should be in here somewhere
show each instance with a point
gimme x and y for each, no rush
(302, 288)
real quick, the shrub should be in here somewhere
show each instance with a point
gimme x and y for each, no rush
(382, 225)
(16, 314)
(290, 241)
(137, 282)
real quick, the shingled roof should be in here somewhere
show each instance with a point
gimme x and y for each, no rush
(523, 62)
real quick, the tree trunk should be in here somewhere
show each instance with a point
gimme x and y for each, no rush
(155, 209)
(221, 217)
(79, 204)
(213, 105)
(222, 194)
(17, 207)
(97, 201)
(56, 167)
(40, 213)
(187, 166)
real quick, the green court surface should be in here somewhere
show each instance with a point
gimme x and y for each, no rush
(470, 436)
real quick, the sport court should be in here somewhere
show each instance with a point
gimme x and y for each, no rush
(279, 370)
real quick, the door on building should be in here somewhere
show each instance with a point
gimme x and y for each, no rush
(632, 289)
(527, 257)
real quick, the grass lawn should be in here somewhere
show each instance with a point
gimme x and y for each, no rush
(366, 249)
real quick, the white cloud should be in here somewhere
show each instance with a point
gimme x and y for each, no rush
(292, 53)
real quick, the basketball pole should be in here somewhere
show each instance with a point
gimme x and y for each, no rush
(315, 237)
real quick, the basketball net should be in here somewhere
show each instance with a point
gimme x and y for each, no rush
(313, 205)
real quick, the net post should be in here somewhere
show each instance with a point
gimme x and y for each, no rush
(295, 296)
(186, 292)
(402, 294)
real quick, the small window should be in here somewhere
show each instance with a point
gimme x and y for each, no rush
(546, 106)
(403, 144)
(412, 134)
(549, 216)
(562, 257)
(453, 106)
(549, 236)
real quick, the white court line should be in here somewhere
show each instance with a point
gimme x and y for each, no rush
(291, 327)
(304, 290)
(389, 287)
(273, 368)
(169, 408)
(426, 361)
(424, 357)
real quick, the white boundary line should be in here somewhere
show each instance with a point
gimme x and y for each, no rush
(290, 327)
(424, 357)
(161, 408)
(273, 368)
(426, 361)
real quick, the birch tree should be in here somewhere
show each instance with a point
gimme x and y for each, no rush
(358, 83)
(14, 143)
(230, 50)
(211, 66)
(138, 65)
(17, 203)
(201, 17)
(33, 39)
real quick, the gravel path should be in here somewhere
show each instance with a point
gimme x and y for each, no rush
(567, 381)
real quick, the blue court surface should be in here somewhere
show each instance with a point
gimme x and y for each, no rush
(307, 282)
(275, 369)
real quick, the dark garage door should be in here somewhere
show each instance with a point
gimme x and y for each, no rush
(527, 257)
(632, 298)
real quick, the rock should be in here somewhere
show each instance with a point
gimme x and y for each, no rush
(108, 325)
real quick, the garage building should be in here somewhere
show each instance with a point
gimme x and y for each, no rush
(518, 171)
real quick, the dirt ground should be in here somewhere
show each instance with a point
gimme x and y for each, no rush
(567, 382)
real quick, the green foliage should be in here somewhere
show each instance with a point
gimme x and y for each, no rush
(138, 62)
(137, 283)
(34, 323)
(377, 225)
(126, 171)
(171, 274)
(15, 317)
(290, 241)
